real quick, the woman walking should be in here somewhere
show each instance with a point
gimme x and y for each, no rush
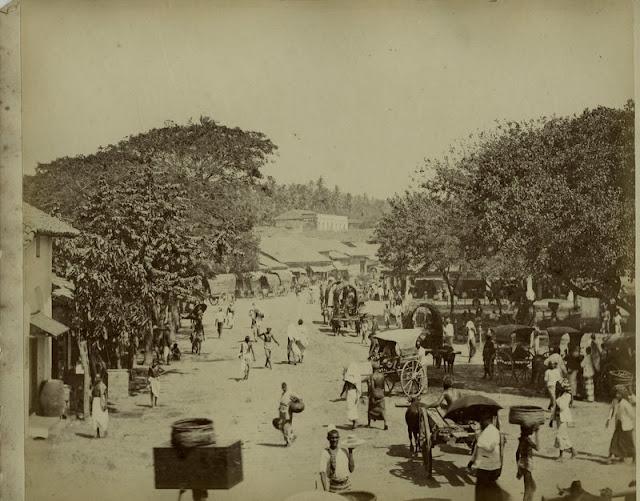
(376, 404)
(622, 444)
(562, 416)
(99, 412)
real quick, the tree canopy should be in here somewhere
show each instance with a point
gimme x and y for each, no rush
(552, 198)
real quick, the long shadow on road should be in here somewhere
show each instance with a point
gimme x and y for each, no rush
(413, 469)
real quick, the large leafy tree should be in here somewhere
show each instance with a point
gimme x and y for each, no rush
(217, 166)
(134, 264)
(553, 198)
(422, 233)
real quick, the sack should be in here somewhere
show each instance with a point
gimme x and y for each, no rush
(296, 405)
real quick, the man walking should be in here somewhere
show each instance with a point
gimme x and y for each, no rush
(448, 332)
(488, 461)
(267, 337)
(397, 311)
(220, 319)
(336, 464)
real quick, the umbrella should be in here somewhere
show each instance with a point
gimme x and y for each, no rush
(471, 406)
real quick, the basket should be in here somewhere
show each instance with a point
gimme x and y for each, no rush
(359, 496)
(296, 406)
(527, 415)
(193, 432)
(620, 377)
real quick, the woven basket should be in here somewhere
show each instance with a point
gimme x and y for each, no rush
(195, 432)
(527, 415)
(620, 377)
(296, 406)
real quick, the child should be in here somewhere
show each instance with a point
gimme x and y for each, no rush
(551, 377)
(561, 414)
(154, 382)
(175, 352)
(524, 459)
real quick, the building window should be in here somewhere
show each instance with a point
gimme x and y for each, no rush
(37, 245)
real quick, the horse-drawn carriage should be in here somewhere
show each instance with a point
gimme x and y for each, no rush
(396, 352)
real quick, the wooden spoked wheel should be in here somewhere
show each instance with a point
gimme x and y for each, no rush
(426, 443)
(413, 378)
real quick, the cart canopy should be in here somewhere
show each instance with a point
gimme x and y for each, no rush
(557, 331)
(503, 333)
(404, 338)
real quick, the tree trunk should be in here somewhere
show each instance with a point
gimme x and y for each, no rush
(86, 394)
(148, 344)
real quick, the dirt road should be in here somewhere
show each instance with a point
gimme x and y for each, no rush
(73, 466)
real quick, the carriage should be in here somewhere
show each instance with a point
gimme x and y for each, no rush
(458, 425)
(396, 353)
(516, 364)
(341, 305)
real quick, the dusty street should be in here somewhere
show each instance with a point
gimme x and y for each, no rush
(73, 466)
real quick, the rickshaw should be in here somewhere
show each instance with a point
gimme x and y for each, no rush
(396, 352)
(342, 305)
(513, 363)
(456, 426)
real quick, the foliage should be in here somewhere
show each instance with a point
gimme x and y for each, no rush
(218, 167)
(553, 198)
(133, 260)
(316, 196)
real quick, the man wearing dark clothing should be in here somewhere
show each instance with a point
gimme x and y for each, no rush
(488, 357)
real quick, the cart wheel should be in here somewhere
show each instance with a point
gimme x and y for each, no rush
(426, 443)
(412, 378)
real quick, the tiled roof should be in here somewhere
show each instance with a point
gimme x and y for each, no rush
(294, 214)
(290, 250)
(34, 221)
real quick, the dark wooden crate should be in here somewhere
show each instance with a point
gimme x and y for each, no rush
(210, 467)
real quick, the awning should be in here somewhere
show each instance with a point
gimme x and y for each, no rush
(295, 269)
(285, 275)
(42, 324)
(340, 266)
(322, 269)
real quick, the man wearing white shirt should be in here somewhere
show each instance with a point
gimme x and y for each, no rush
(397, 311)
(471, 338)
(487, 461)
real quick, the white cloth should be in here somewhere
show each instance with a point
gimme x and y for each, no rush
(564, 414)
(470, 325)
(551, 377)
(488, 449)
(342, 464)
(422, 356)
(100, 417)
(220, 317)
(352, 404)
(587, 366)
(397, 311)
(623, 411)
(449, 331)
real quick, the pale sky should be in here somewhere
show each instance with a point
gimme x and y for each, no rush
(357, 92)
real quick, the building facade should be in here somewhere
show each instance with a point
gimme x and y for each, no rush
(39, 231)
(302, 220)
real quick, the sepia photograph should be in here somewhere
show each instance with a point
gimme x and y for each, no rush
(321, 250)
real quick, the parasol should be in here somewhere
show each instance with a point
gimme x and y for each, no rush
(471, 407)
